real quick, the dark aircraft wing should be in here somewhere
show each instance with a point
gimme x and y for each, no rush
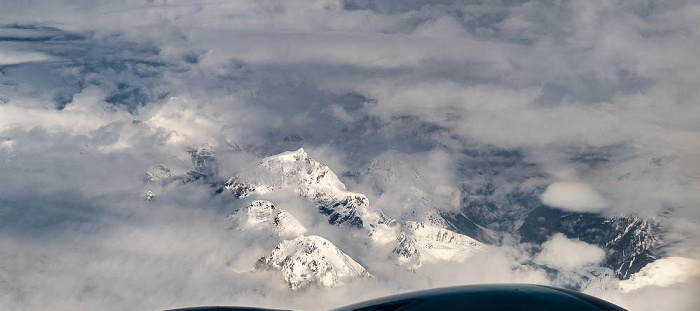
(495, 297)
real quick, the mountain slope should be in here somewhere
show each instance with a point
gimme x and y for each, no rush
(662, 272)
(261, 214)
(420, 242)
(312, 260)
(630, 243)
(315, 181)
(488, 212)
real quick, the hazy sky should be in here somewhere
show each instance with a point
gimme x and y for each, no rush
(601, 95)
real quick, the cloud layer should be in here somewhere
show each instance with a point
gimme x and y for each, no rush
(410, 102)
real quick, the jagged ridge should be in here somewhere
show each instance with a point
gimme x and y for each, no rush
(312, 260)
(262, 214)
(315, 181)
(420, 242)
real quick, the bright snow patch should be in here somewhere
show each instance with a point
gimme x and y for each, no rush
(662, 272)
(313, 180)
(312, 260)
(425, 243)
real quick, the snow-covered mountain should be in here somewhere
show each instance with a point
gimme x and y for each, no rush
(408, 187)
(201, 165)
(629, 242)
(501, 196)
(305, 260)
(662, 272)
(241, 189)
(262, 214)
(315, 181)
(420, 242)
(312, 260)
(309, 179)
(424, 233)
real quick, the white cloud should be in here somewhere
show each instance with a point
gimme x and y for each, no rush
(681, 296)
(573, 196)
(8, 57)
(183, 123)
(568, 254)
(444, 27)
(83, 115)
(663, 272)
(556, 83)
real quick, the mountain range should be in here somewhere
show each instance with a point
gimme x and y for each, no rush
(424, 233)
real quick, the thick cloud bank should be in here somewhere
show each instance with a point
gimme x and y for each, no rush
(572, 196)
(119, 120)
(567, 254)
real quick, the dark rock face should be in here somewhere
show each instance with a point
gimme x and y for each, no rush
(205, 166)
(238, 188)
(485, 216)
(630, 243)
(343, 212)
(495, 202)
(204, 162)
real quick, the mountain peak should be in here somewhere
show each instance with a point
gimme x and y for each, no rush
(262, 214)
(312, 260)
(299, 155)
(316, 181)
(421, 242)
